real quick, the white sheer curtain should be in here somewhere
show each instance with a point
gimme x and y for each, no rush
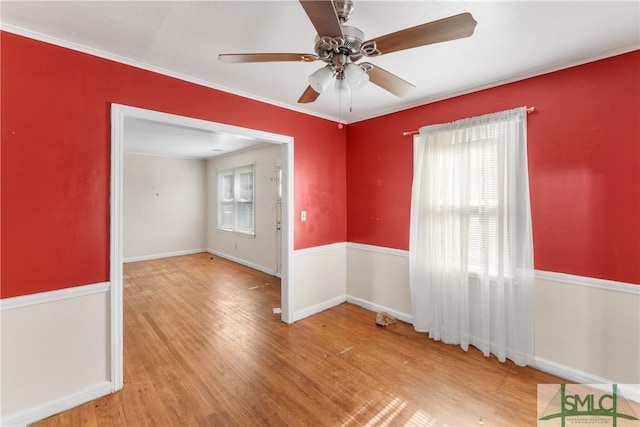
(471, 245)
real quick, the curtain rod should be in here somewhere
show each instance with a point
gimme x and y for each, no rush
(413, 132)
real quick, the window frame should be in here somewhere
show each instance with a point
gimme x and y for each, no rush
(230, 204)
(484, 210)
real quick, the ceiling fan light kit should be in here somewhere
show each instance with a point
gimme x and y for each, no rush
(356, 77)
(321, 78)
(340, 46)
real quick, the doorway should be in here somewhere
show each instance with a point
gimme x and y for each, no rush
(119, 116)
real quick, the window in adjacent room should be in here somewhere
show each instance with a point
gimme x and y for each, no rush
(235, 200)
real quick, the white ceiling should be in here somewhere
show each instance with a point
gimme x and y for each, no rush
(513, 40)
(143, 136)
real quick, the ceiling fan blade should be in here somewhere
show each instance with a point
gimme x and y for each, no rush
(442, 30)
(323, 16)
(234, 58)
(386, 80)
(309, 95)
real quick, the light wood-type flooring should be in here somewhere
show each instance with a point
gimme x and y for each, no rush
(203, 347)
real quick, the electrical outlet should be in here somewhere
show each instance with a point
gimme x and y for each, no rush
(303, 216)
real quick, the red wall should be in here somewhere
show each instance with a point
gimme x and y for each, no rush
(56, 159)
(584, 163)
(584, 167)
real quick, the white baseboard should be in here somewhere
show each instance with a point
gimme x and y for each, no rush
(629, 391)
(310, 311)
(163, 255)
(37, 413)
(242, 261)
(567, 372)
(376, 308)
(562, 371)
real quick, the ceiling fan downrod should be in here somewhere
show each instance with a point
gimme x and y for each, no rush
(344, 9)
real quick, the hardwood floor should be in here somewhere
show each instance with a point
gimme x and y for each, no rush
(203, 347)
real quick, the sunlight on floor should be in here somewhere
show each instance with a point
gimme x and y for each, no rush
(391, 414)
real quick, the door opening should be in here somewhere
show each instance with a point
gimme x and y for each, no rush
(119, 116)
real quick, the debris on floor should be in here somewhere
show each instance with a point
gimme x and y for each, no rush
(277, 310)
(345, 350)
(384, 319)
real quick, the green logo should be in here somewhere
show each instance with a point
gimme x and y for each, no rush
(588, 405)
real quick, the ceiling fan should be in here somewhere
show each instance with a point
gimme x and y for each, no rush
(340, 46)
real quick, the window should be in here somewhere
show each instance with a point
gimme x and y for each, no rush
(235, 200)
(479, 190)
(471, 247)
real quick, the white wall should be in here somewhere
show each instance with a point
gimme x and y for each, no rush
(582, 324)
(55, 352)
(163, 206)
(320, 279)
(379, 280)
(586, 330)
(257, 251)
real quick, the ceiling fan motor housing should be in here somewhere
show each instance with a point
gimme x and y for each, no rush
(349, 45)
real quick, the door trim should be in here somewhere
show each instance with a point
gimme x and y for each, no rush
(119, 114)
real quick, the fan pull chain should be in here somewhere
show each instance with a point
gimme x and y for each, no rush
(350, 101)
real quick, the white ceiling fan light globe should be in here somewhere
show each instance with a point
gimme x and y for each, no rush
(321, 78)
(356, 77)
(343, 91)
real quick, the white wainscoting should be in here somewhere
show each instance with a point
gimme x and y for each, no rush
(56, 355)
(55, 352)
(378, 280)
(320, 279)
(587, 329)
